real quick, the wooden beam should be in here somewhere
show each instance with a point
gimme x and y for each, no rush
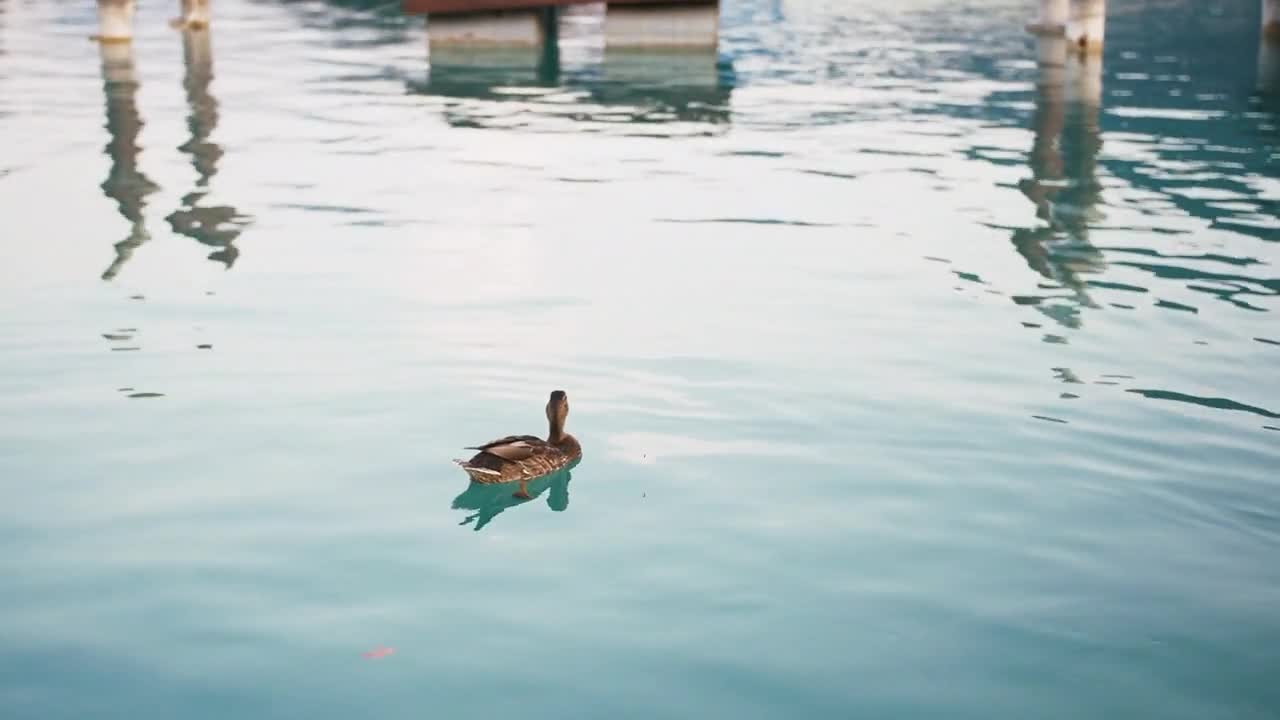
(450, 7)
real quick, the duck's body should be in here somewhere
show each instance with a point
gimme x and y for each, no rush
(521, 458)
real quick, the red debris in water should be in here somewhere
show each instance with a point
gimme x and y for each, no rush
(379, 652)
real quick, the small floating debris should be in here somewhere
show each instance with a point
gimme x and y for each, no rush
(209, 292)
(379, 652)
(1031, 324)
(1267, 341)
(126, 330)
(113, 336)
(137, 297)
(125, 349)
(1046, 418)
(1201, 342)
(204, 347)
(124, 389)
(146, 395)
(1069, 396)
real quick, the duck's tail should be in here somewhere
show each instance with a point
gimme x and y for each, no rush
(478, 474)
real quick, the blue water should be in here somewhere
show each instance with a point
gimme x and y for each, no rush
(917, 377)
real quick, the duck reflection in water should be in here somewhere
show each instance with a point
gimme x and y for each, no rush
(125, 183)
(1064, 185)
(489, 500)
(217, 226)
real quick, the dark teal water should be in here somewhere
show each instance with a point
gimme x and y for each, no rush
(917, 378)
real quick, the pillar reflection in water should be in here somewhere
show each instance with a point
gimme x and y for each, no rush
(125, 183)
(217, 226)
(1269, 65)
(634, 85)
(665, 84)
(1064, 185)
(195, 15)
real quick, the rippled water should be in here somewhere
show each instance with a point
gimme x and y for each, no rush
(922, 370)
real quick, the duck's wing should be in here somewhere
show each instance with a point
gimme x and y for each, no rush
(512, 448)
(506, 440)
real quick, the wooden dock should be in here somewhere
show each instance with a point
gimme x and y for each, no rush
(446, 7)
(672, 24)
(628, 23)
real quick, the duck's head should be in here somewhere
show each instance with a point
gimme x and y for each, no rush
(557, 411)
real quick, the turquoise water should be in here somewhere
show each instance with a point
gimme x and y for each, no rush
(916, 377)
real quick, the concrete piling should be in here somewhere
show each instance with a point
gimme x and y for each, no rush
(115, 21)
(531, 27)
(1052, 19)
(1087, 24)
(662, 25)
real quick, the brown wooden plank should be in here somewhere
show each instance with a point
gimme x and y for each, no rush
(422, 7)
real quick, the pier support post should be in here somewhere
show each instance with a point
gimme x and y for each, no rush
(1086, 28)
(195, 15)
(1269, 49)
(1052, 19)
(497, 28)
(662, 24)
(115, 20)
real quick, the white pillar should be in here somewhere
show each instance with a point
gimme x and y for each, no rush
(499, 28)
(1269, 49)
(677, 25)
(115, 20)
(1053, 17)
(1086, 28)
(195, 15)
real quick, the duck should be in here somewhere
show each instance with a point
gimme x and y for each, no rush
(524, 458)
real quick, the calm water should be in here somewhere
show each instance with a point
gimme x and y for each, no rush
(917, 378)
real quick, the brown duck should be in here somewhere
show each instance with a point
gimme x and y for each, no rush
(521, 458)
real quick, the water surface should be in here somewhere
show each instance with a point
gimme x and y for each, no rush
(922, 369)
